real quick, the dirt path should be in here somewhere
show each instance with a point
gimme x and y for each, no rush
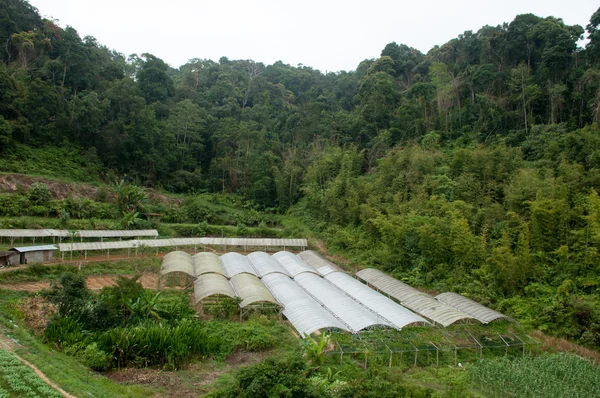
(94, 282)
(9, 344)
(42, 376)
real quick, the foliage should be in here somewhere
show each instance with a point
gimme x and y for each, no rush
(17, 379)
(226, 308)
(158, 344)
(271, 378)
(552, 375)
(38, 193)
(315, 351)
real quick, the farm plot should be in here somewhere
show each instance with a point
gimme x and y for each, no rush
(18, 380)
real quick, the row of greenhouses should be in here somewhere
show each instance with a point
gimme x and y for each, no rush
(314, 294)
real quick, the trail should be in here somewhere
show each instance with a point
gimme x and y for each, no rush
(9, 344)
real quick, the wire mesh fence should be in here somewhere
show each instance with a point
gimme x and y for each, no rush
(427, 347)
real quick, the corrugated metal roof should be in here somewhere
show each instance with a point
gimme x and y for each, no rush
(211, 284)
(264, 264)
(473, 308)
(207, 262)
(319, 263)
(339, 304)
(388, 309)
(304, 313)
(292, 263)
(235, 263)
(412, 298)
(177, 261)
(27, 249)
(251, 290)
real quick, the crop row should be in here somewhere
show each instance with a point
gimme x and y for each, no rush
(19, 380)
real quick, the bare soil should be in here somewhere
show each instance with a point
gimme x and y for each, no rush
(13, 182)
(94, 282)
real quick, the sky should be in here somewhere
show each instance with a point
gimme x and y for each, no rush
(329, 35)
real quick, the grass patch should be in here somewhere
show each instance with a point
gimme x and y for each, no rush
(38, 272)
(553, 375)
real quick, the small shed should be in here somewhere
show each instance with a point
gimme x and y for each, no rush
(32, 254)
(9, 258)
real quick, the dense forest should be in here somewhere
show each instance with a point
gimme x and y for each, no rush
(474, 167)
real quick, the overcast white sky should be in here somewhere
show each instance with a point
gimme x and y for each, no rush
(329, 35)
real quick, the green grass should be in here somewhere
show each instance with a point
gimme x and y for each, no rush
(554, 375)
(39, 272)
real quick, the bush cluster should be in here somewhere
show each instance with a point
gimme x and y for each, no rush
(127, 325)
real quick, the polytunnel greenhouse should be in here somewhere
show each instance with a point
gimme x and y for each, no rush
(314, 294)
(235, 263)
(384, 307)
(322, 265)
(210, 289)
(264, 264)
(292, 263)
(415, 300)
(177, 269)
(206, 263)
(473, 308)
(303, 312)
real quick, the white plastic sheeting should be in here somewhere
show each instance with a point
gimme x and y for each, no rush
(177, 262)
(255, 242)
(305, 314)
(133, 233)
(340, 305)
(251, 290)
(388, 309)
(473, 308)
(74, 246)
(315, 260)
(292, 263)
(385, 283)
(32, 233)
(235, 263)
(206, 262)
(264, 264)
(431, 308)
(129, 244)
(212, 284)
(420, 302)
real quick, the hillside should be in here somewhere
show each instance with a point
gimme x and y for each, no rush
(472, 168)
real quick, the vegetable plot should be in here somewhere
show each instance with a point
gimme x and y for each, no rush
(18, 380)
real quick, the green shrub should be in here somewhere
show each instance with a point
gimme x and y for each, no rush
(159, 344)
(70, 295)
(38, 211)
(94, 358)
(271, 378)
(39, 193)
(64, 332)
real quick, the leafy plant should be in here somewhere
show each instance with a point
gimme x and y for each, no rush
(315, 351)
